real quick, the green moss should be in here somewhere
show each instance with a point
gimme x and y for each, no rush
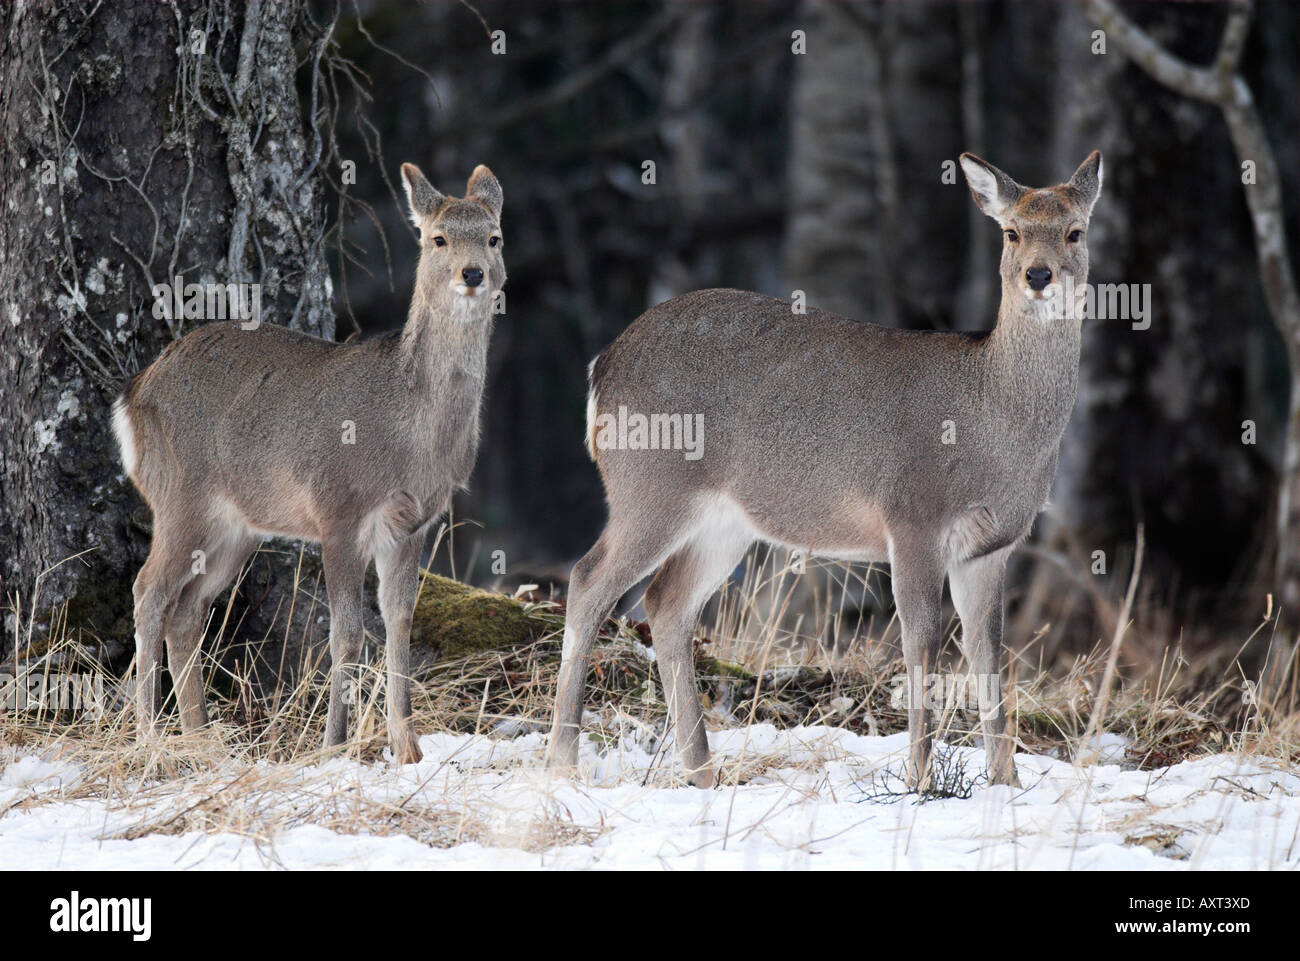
(717, 668)
(453, 619)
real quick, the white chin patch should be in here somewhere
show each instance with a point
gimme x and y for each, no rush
(468, 307)
(1043, 306)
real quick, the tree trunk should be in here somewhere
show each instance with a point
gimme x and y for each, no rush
(842, 191)
(116, 174)
(920, 44)
(687, 135)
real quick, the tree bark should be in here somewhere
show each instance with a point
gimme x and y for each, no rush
(842, 187)
(138, 143)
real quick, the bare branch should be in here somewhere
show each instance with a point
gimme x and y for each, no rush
(1199, 83)
(1234, 39)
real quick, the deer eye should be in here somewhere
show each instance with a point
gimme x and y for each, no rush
(440, 241)
(1074, 236)
(494, 241)
(1012, 236)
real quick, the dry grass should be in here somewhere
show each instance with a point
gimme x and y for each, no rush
(771, 651)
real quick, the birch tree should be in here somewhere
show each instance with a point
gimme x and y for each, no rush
(1220, 83)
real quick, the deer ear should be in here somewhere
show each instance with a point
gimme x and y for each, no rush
(420, 194)
(1087, 180)
(995, 193)
(484, 187)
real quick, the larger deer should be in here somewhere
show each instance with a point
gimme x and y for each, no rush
(932, 451)
(234, 434)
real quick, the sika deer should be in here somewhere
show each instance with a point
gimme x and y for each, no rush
(932, 451)
(233, 434)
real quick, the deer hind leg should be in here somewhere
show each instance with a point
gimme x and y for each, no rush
(345, 572)
(917, 573)
(673, 603)
(399, 570)
(185, 627)
(632, 545)
(977, 595)
(157, 589)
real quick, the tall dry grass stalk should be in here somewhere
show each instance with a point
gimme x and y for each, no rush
(790, 644)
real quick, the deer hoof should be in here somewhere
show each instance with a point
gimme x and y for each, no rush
(406, 749)
(703, 778)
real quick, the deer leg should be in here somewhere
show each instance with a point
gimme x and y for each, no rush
(917, 574)
(673, 602)
(185, 627)
(628, 549)
(977, 594)
(345, 572)
(157, 588)
(399, 569)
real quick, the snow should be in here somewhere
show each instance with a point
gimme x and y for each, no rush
(803, 805)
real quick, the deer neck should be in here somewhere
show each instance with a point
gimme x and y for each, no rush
(1034, 358)
(445, 339)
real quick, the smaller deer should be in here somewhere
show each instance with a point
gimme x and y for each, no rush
(933, 451)
(232, 435)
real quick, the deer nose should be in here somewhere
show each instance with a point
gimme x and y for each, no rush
(472, 276)
(1038, 277)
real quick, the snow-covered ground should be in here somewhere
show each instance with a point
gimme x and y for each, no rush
(802, 805)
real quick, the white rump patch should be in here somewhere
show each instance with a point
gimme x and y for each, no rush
(591, 423)
(591, 408)
(125, 435)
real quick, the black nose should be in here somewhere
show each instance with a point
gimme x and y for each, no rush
(473, 276)
(1038, 277)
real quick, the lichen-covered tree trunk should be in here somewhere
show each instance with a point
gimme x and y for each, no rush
(138, 143)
